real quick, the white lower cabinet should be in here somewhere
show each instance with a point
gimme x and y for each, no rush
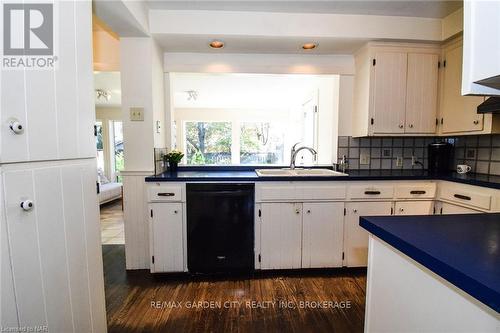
(322, 228)
(447, 208)
(166, 222)
(355, 237)
(414, 208)
(281, 235)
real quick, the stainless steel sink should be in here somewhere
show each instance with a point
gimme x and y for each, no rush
(298, 172)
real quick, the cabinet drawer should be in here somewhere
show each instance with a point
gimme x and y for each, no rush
(371, 192)
(469, 198)
(165, 193)
(321, 192)
(277, 192)
(415, 191)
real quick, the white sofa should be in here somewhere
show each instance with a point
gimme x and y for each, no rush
(109, 192)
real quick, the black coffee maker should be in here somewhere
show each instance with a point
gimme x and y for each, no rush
(440, 157)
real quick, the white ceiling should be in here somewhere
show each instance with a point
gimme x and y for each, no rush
(422, 8)
(243, 91)
(249, 44)
(108, 81)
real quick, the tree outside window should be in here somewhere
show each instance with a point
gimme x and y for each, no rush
(208, 142)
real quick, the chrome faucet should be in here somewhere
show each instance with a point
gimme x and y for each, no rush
(294, 152)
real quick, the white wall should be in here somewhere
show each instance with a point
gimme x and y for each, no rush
(346, 98)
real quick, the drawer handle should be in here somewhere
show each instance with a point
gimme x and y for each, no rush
(165, 194)
(417, 192)
(463, 197)
(372, 192)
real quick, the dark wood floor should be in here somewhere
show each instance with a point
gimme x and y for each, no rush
(129, 297)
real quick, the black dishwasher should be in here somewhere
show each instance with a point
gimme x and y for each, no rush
(220, 227)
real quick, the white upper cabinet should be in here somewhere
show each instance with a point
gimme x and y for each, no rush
(54, 107)
(421, 93)
(396, 89)
(481, 67)
(458, 114)
(389, 87)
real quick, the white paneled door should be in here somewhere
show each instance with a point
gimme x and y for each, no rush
(322, 237)
(281, 235)
(54, 245)
(355, 237)
(55, 107)
(389, 92)
(167, 237)
(421, 93)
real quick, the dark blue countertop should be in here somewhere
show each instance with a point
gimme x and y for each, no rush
(463, 249)
(245, 173)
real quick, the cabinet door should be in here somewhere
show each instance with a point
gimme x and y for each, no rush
(322, 227)
(389, 91)
(458, 113)
(421, 93)
(355, 237)
(447, 208)
(167, 237)
(281, 235)
(414, 208)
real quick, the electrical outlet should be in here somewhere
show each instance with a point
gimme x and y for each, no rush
(136, 114)
(364, 159)
(399, 161)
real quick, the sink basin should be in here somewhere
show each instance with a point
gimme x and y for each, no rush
(318, 172)
(297, 172)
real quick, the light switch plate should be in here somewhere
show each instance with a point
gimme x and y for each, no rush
(136, 114)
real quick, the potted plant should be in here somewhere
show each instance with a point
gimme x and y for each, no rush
(173, 158)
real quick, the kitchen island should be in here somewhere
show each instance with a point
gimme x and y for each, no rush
(433, 273)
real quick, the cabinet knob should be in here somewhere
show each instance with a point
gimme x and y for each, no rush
(355, 210)
(401, 210)
(476, 122)
(411, 125)
(175, 211)
(297, 211)
(27, 205)
(401, 126)
(308, 211)
(16, 127)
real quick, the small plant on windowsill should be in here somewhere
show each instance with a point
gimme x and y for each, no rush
(173, 158)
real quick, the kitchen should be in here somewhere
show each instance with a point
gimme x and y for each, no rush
(389, 203)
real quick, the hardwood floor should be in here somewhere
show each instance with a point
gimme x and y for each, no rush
(112, 226)
(137, 301)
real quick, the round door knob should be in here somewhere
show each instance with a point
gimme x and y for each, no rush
(401, 126)
(411, 125)
(27, 205)
(476, 122)
(16, 127)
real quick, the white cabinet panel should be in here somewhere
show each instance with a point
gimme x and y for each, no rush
(414, 208)
(56, 107)
(322, 235)
(389, 91)
(421, 93)
(458, 113)
(167, 237)
(55, 247)
(447, 208)
(355, 237)
(8, 311)
(281, 235)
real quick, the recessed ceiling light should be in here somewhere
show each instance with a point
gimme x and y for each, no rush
(309, 46)
(216, 44)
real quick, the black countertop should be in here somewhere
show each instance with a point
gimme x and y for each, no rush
(244, 173)
(463, 249)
